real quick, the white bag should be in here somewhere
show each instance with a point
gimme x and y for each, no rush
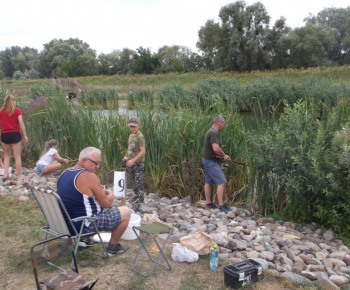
(182, 254)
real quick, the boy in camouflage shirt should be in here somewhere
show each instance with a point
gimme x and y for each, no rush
(135, 159)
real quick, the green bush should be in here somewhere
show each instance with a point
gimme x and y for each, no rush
(301, 175)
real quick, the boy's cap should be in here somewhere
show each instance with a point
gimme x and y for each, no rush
(133, 121)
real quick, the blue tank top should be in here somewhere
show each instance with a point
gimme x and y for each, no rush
(76, 203)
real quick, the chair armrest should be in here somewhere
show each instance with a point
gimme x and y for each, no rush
(82, 218)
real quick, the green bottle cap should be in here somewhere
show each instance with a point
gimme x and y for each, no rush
(211, 249)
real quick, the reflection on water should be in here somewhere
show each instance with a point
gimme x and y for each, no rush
(258, 123)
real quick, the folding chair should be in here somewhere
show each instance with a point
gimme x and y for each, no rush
(51, 250)
(150, 231)
(50, 205)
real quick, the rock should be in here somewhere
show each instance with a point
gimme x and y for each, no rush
(269, 256)
(329, 235)
(297, 279)
(309, 275)
(23, 198)
(326, 284)
(307, 260)
(338, 255)
(262, 262)
(320, 256)
(338, 280)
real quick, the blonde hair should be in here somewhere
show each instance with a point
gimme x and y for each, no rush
(9, 104)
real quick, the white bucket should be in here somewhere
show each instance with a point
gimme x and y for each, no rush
(129, 234)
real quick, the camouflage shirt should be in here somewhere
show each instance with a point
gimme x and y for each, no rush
(135, 142)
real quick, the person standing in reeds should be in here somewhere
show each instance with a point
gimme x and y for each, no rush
(212, 154)
(49, 161)
(12, 125)
(135, 159)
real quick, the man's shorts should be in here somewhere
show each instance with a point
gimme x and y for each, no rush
(213, 172)
(11, 138)
(40, 168)
(107, 220)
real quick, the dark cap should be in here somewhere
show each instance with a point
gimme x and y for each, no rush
(133, 121)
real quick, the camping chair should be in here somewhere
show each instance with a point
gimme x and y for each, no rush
(50, 205)
(51, 250)
(150, 231)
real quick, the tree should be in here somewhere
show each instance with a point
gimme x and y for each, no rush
(16, 58)
(278, 44)
(117, 62)
(338, 21)
(57, 54)
(144, 62)
(243, 40)
(209, 42)
(172, 58)
(310, 46)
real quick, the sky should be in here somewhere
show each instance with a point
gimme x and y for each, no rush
(108, 25)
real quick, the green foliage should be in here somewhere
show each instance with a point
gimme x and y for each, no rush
(221, 94)
(144, 62)
(141, 97)
(300, 174)
(96, 96)
(71, 57)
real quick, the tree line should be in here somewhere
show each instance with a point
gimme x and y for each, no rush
(241, 41)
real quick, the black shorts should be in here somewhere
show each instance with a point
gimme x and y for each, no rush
(11, 138)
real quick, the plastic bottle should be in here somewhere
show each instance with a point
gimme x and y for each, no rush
(214, 259)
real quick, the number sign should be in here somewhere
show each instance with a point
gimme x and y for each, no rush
(119, 183)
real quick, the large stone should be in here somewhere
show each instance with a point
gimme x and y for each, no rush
(269, 256)
(297, 279)
(336, 262)
(307, 260)
(338, 255)
(309, 275)
(329, 235)
(313, 246)
(262, 262)
(326, 284)
(338, 280)
(320, 256)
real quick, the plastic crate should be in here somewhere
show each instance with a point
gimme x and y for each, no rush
(242, 273)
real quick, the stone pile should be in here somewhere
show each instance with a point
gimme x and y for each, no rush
(305, 254)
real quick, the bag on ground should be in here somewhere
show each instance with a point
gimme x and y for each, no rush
(182, 254)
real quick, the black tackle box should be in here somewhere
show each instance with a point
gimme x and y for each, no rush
(242, 273)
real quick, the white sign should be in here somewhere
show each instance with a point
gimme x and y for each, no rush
(119, 183)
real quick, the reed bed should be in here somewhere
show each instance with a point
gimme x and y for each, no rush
(294, 165)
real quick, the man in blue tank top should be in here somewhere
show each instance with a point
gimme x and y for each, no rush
(83, 195)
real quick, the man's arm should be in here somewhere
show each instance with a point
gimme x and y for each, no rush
(218, 151)
(89, 184)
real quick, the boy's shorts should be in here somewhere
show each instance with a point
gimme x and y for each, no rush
(213, 172)
(107, 220)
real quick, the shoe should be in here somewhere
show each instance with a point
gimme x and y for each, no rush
(86, 242)
(224, 208)
(136, 199)
(212, 205)
(118, 249)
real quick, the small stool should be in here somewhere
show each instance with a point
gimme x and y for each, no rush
(150, 230)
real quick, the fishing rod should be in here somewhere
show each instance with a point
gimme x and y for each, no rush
(231, 161)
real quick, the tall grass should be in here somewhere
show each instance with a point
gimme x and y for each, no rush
(291, 160)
